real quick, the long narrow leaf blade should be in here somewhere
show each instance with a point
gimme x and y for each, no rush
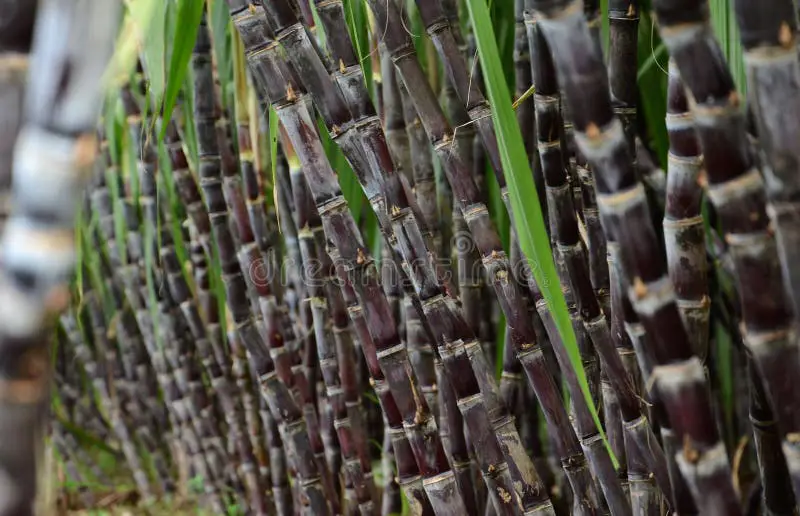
(190, 12)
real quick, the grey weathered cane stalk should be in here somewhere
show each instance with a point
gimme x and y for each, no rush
(16, 27)
(73, 41)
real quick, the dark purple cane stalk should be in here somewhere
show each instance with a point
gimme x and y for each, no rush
(684, 235)
(623, 18)
(274, 389)
(334, 346)
(769, 40)
(600, 137)
(411, 241)
(391, 498)
(564, 228)
(739, 195)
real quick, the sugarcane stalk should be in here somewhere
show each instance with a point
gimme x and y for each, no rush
(488, 321)
(600, 137)
(16, 25)
(294, 261)
(391, 502)
(466, 265)
(281, 402)
(55, 145)
(442, 35)
(330, 341)
(684, 235)
(564, 228)
(340, 229)
(770, 60)
(645, 495)
(777, 490)
(451, 428)
(464, 187)
(92, 367)
(623, 18)
(738, 193)
(397, 126)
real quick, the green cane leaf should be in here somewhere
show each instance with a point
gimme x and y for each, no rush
(190, 12)
(154, 53)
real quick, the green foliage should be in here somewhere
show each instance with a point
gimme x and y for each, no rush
(218, 21)
(347, 178)
(196, 484)
(529, 221)
(652, 77)
(358, 25)
(190, 12)
(723, 19)
(154, 52)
